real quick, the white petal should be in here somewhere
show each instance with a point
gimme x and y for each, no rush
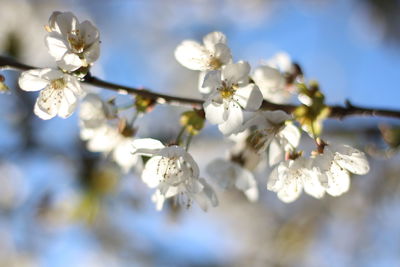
(277, 116)
(189, 159)
(249, 97)
(275, 180)
(292, 134)
(235, 73)
(338, 180)
(89, 32)
(214, 111)
(272, 84)
(48, 102)
(276, 153)
(192, 55)
(246, 182)
(44, 115)
(92, 53)
(351, 159)
(212, 80)
(312, 184)
(214, 38)
(67, 103)
(291, 190)
(122, 155)
(151, 174)
(281, 61)
(205, 91)
(63, 22)
(222, 53)
(33, 80)
(146, 146)
(103, 139)
(234, 120)
(158, 199)
(56, 45)
(205, 196)
(70, 62)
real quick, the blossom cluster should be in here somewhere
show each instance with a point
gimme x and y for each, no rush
(233, 98)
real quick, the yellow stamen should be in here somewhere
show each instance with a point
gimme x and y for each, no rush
(58, 83)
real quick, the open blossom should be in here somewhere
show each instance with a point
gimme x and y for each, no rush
(60, 92)
(72, 44)
(335, 165)
(231, 94)
(229, 174)
(174, 173)
(272, 81)
(290, 177)
(270, 127)
(102, 137)
(110, 141)
(210, 55)
(94, 112)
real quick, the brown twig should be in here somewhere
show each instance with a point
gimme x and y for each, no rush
(339, 112)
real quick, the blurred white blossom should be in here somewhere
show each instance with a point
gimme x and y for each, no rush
(270, 126)
(290, 177)
(210, 55)
(271, 79)
(335, 165)
(229, 174)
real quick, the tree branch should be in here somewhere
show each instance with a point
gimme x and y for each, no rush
(339, 112)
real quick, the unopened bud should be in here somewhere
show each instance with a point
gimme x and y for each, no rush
(193, 121)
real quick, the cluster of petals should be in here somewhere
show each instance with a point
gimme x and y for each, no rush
(335, 165)
(327, 172)
(211, 55)
(271, 79)
(59, 93)
(271, 127)
(230, 95)
(172, 171)
(72, 44)
(103, 137)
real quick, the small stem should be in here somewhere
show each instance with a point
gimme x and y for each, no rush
(179, 137)
(188, 141)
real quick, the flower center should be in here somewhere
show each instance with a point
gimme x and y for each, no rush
(214, 63)
(227, 91)
(58, 83)
(76, 41)
(171, 169)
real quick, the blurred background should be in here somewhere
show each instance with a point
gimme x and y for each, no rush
(61, 205)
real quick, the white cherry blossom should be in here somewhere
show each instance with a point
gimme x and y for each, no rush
(335, 165)
(94, 112)
(174, 173)
(272, 84)
(231, 94)
(270, 127)
(210, 55)
(72, 44)
(108, 140)
(229, 174)
(290, 177)
(60, 92)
